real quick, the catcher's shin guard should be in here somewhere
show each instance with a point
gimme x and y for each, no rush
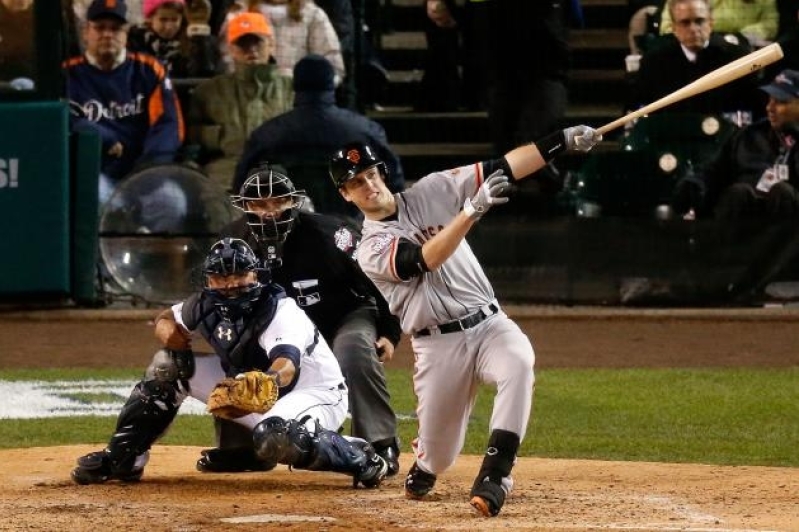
(146, 415)
(334, 452)
(492, 483)
(290, 442)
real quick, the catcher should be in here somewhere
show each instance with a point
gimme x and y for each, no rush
(272, 373)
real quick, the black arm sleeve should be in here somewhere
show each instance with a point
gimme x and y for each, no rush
(409, 261)
(489, 167)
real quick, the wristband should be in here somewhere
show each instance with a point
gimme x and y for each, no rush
(198, 30)
(470, 210)
(551, 145)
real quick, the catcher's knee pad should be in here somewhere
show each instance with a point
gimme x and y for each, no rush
(284, 442)
(148, 412)
(170, 366)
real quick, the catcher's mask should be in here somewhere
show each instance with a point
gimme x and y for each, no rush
(270, 201)
(353, 159)
(233, 278)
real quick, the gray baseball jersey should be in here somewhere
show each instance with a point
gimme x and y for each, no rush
(449, 361)
(459, 286)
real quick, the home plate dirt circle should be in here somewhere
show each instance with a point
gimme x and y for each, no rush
(37, 494)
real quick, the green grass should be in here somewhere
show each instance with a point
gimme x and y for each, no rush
(718, 416)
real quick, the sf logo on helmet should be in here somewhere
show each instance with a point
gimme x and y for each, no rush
(354, 156)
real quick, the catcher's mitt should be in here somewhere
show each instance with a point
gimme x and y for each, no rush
(253, 391)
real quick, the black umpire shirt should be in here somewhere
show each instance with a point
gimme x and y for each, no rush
(320, 273)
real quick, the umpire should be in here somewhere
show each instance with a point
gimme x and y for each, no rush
(312, 256)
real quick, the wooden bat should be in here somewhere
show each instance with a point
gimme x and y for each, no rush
(725, 74)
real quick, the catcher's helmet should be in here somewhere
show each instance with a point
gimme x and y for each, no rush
(352, 159)
(265, 182)
(232, 256)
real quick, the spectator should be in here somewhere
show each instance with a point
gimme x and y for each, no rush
(756, 172)
(693, 51)
(301, 28)
(317, 124)
(311, 255)
(179, 36)
(125, 97)
(757, 20)
(16, 40)
(225, 109)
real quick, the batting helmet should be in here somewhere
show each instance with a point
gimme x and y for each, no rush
(231, 256)
(353, 159)
(264, 182)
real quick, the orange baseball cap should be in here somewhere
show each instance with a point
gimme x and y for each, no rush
(245, 23)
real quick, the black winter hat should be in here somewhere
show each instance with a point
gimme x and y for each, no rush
(313, 73)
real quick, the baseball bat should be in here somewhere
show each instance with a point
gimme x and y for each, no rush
(724, 74)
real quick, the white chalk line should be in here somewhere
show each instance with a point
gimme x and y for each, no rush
(63, 398)
(47, 399)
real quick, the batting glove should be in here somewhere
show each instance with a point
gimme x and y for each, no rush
(488, 195)
(581, 138)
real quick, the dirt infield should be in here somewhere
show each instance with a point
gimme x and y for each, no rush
(36, 493)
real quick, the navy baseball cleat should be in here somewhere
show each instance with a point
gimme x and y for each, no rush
(373, 471)
(95, 468)
(418, 483)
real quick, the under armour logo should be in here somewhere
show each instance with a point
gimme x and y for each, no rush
(492, 451)
(226, 334)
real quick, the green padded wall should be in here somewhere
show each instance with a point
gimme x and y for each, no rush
(34, 199)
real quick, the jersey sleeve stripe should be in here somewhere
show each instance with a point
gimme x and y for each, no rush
(393, 259)
(478, 176)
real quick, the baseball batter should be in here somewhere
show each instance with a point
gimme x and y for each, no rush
(251, 325)
(414, 250)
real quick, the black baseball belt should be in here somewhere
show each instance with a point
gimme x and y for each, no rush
(467, 322)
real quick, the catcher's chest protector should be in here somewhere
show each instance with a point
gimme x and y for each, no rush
(236, 343)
